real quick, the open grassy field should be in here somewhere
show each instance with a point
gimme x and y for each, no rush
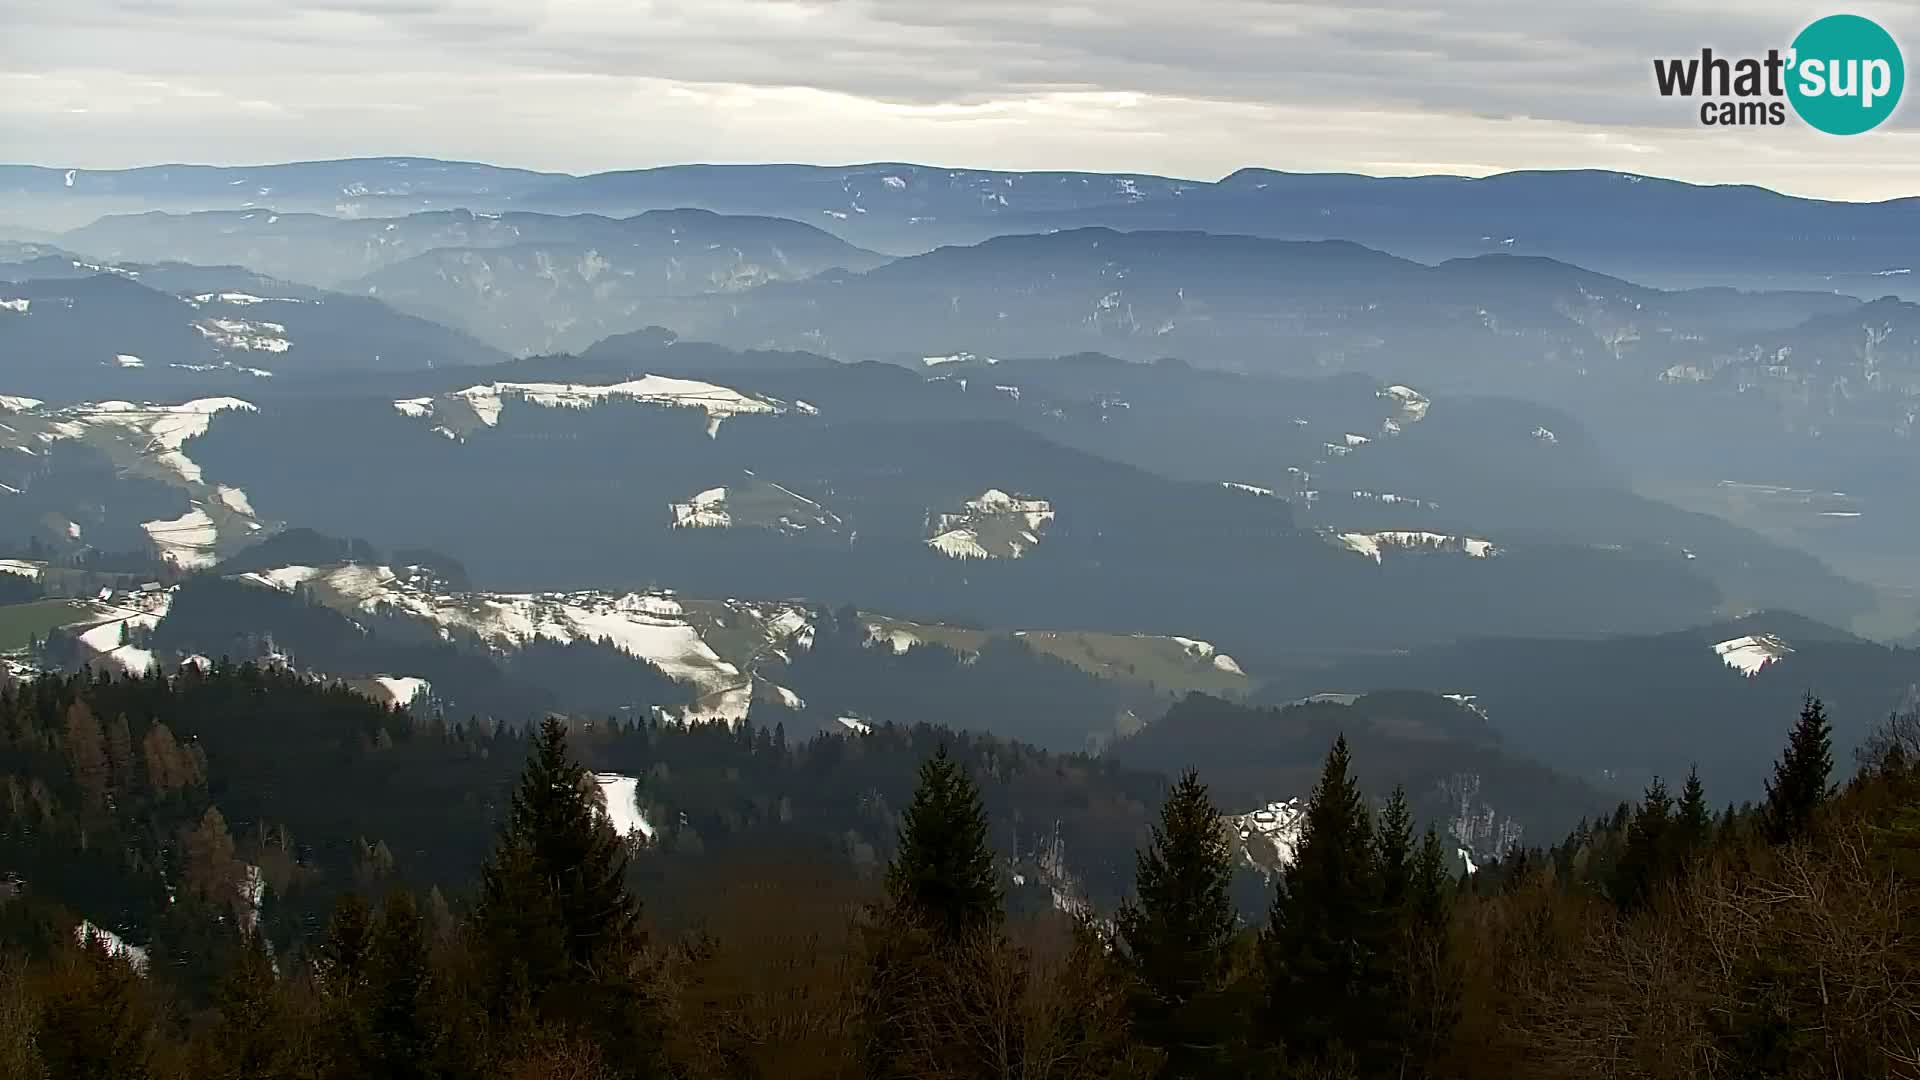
(1171, 664)
(20, 622)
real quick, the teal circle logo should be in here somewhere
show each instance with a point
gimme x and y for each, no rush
(1846, 75)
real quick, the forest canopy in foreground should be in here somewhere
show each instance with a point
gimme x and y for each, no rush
(1670, 939)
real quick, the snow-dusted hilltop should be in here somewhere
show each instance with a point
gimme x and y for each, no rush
(464, 411)
(753, 503)
(667, 631)
(1375, 545)
(148, 440)
(1750, 653)
(995, 525)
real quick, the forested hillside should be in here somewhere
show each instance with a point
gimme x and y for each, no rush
(186, 896)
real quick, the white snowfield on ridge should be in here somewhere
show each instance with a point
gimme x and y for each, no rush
(149, 438)
(1750, 653)
(1204, 650)
(651, 626)
(1374, 545)
(167, 427)
(994, 525)
(488, 400)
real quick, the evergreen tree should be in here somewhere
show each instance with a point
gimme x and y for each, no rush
(1800, 778)
(343, 952)
(1393, 847)
(1646, 859)
(1693, 821)
(97, 1021)
(925, 950)
(254, 1037)
(404, 1042)
(1321, 948)
(1433, 979)
(556, 927)
(341, 973)
(1177, 936)
(1394, 856)
(944, 870)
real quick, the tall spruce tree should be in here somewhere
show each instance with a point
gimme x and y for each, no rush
(1646, 860)
(555, 924)
(1433, 980)
(404, 1039)
(1393, 847)
(944, 869)
(1693, 819)
(1176, 937)
(342, 973)
(924, 1009)
(1321, 948)
(1394, 861)
(98, 1019)
(1800, 784)
(253, 1038)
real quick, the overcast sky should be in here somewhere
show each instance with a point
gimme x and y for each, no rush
(1191, 88)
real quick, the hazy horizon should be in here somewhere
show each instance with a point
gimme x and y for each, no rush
(924, 164)
(1402, 88)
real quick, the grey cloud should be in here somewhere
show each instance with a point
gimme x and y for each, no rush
(1255, 63)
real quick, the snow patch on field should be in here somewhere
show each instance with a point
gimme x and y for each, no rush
(128, 360)
(1391, 499)
(1545, 436)
(283, 578)
(1250, 489)
(1412, 403)
(137, 611)
(1751, 653)
(959, 544)
(648, 626)
(897, 639)
(620, 793)
(955, 358)
(706, 510)
(166, 428)
(20, 306)
(401, 690)
(234, 498)
(1204, 651)
(1270, 836)
(246, 335)
(1374, 545)
(187, 541)
(12, 403)
(487, 401)
(242, 299)
(995, 525)
(755, 503)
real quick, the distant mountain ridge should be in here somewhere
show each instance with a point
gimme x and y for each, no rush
(72, 329)
(1665, 232)
(523, 282)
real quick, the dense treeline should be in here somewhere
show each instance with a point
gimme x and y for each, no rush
(1452, 764)
(1667, 940)
(348, 792)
